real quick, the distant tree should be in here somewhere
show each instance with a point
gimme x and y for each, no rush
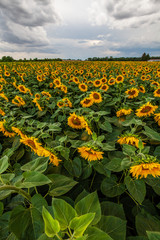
(145, 57)
(7, 59)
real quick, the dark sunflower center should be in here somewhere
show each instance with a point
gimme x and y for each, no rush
(119, 78)
(87, 101)
(31, 143)
(132, 92)
(76, 121)
(146, 109)
(158, 91)
(83, 86)
(96, 96)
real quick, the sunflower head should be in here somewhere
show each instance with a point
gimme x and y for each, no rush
(97, 98)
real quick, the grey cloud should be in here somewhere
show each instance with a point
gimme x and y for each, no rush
(29, 13)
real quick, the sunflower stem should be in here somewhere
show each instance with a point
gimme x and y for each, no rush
(18, 190)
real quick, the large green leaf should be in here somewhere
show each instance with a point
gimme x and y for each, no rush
(137, 238)
(1, 208)
(38, 202)
(89, 204)
(146, 222)
(3, 164)
(26, 224)
(114, 165)
(38, 165)
(151, 133)
(111, 188)
(153, 235)
(113, 226)
(60, 184)
(79, 224)
(113, 209)
(33, 179)
(96, 233)
(63, 212)
(154, 183)
(136, 188)
(52, 226)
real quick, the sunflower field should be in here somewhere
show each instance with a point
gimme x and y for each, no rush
(80, 150)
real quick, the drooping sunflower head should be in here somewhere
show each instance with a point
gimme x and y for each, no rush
(97, 98)
(75, 121)
(123, 112)
(130, 139)
(141, 89)
(145, 165)
(146, 110)
(157, 92)
(22, 89)
(87, 102)
(90, 153)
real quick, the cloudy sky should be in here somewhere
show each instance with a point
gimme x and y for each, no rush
(79, 28)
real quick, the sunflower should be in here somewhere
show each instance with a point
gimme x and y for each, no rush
(4, 96)
(132, 93)
(90, 154)
(67, 102)
(1, 87)
(83, 87)
(60, 104)
(18, 101)
(141, 89)
(132, 81)
(32, 143)
(146, 110)
(103, 80)
(18, 131)
(112, 81)
(64, 88)
(76, 80)
(57, 82)
(123, 112)
(2, 112)
(39, 78)
(37, 104)
(145, 165)
(104, 87)
(119, 79)
(47, 94)
(89, 83)
(97, 98)
(157, 118)
(6, 73)
(87, 102)
(130, 139)
(97, 82)
(37, 95)
(157, 92)
(75, 121)
(154, 84)
(54, 159)
(4, 131)
(23, 89)
(143, 77)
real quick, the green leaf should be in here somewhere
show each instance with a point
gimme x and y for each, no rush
(38, 202)
(79, 224)
(146, 222)
(1, 208)
(113, 226)
(151, 133)
(136, 188)
(89, 204)
(106, 126)
(60, 184)
(154, 183)
(111, 188)
(153, 235)
(33, 179)
(140, 144)
(95, 234)
(3, 164)
(137, 238)
(110, 146)
(113, 209)
(7, 177)
(26, 224)
(52, 226)
(38, 165)
(63, 212)
(129, 150)
(157, 151)
(114, 165)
